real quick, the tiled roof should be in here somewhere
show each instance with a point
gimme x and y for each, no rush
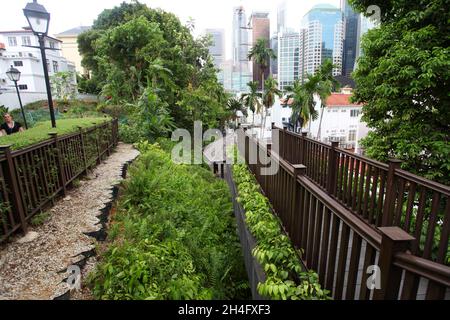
(335, 100)
(74, 31)
(340, 99)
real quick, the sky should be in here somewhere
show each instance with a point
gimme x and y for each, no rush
(67, 14)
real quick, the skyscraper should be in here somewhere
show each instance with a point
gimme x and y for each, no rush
(274, 62)
(281, 17)
(217, 48)
(350, 38)
(260, 26)
(364, 25)
(240, 37)
(240, 46)
(324, 37)
(289, 58)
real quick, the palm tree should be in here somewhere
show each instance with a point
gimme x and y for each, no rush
(252, 99)
(327, 84)
(270, 92)
(261, 53)
(233, 106)
(310, 87)
(301, 97)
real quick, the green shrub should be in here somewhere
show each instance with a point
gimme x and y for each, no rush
(173, 236)
(40, 219)
(286, 278)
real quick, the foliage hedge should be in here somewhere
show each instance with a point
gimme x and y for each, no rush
(286, 278)
(173, 236)
(40, 132)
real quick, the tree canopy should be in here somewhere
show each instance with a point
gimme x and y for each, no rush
(403, 81)
(133, 47)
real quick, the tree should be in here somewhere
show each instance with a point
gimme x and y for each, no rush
(63, 86)
(327, 84)
(271, 91)
(132, 47)
(402, 80)
(261, 53)
(310, 87)
(233, 106)
(252, 99)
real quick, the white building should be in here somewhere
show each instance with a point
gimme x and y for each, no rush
(14, 52)
(324, 37)
(341, 121)
(288, 58)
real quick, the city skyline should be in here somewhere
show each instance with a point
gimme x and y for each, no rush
(69, 14)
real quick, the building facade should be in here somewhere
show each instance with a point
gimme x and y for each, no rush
(260, 26)
(17, 53)
(274, 62)
(69, 46)
(341, 121)
(364, 25)
(241, 45)
(288, 59)
(217, 48)
(351, 19)
(324, 37)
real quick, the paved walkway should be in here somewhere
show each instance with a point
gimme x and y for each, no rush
(36, 269)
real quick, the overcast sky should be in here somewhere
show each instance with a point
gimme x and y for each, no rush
(66, 14)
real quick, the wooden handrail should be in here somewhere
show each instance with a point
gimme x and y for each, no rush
(428, 269)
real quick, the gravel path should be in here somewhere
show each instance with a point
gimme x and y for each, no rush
(37, 269)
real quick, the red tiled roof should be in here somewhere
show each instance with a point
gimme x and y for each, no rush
(335, 100)
(340, 99)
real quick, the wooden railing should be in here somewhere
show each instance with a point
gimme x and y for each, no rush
(381, 194)
(31, 178)
(338, 241)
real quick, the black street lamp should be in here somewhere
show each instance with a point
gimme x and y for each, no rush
(39, 19)
(14, 75)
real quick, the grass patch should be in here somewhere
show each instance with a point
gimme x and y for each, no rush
(40, 132)
(173, 236)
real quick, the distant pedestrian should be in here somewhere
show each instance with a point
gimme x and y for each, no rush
(10, 126)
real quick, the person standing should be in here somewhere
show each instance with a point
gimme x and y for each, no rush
(10, 126)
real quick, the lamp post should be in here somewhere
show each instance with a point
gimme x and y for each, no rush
(14, 75)
(39, 19)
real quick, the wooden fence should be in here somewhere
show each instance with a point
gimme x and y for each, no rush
(31, 178)
(349, 213)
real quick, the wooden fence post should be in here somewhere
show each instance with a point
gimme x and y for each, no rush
(11, 181)
(303, 148)
(388, 209)
(62, 175)
(332, 168)
(97, 142)
(83, 149)
(394, 240)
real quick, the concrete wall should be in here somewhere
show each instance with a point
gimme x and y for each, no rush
(10, 100)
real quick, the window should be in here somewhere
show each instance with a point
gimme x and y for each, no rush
(52, 45)
(355, 113)
(23, 87)
(12, 41)
(55, 66)
(352, 135)
(26, 41)
(18, 63)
